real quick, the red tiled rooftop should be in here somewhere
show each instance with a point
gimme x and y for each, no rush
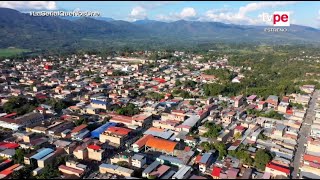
(139, 117)
(70, 169)
(10, 115)
(161, 144)
(178, 111)
(198, 158)
(240, 128)
(278, 168)
(156, 129)
(9, 145)
(251, 97)
(160, 171)
(311, 158)
(79, 128)
(94, 147)
(7, 120)
(142, 141)
(9, 170)
(216, 172)
(118, 130)
(262, 102)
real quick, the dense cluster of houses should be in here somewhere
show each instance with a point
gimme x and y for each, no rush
(163, 140)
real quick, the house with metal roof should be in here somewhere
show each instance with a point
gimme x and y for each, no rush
(42, 153)
(205, 161)
(96, 133)
(170, 160)
(183, 173)
(161, 145)
(138, 160)
(98, 103)
(150, 168)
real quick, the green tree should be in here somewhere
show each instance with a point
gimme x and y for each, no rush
(98, 80)
(221, 147)
(128, 110)
(82, 120)
(190, 84)
(263, 137)
(261, 159)
(123, 164)
(19, 156)
(192, 103)
(213, 131)
(155, 96)
(178, 83)
(213, 89)
(106, 119)
(20, 105)
(237, 135)
(24, 173)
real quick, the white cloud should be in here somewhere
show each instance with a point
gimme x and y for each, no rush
(241, 17)
(162, 17)
(155, 4)
(188, 12)
(226, 14)
(29, 5)
(138, 12)
(318, 20)
(262, 5)
(77, 9)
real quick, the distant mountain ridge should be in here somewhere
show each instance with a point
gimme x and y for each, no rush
(22, 30)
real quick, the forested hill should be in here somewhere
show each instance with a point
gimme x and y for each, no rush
(24, 31)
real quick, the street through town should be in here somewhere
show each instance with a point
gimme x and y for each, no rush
(303, 135)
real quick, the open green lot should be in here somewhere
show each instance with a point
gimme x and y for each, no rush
(8, 52)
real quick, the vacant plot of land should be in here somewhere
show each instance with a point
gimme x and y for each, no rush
(11, 52)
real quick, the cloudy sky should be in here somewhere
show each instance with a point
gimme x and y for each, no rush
(302, 13)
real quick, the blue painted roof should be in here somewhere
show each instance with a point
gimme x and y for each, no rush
(99, 102)
(96, 133)
(109, 166)
(42, 153)
(205, 158)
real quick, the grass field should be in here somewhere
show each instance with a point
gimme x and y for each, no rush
(11, 52)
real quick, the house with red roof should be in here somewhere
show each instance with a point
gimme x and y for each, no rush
(216, 171)
(73, 168)
(277, 170)
(80, 132)
(251, 99)
(161, 145)
(262, 104)
(311, 158)
(238, 101)
(239, 129)
(6, 173)
(136, 120)
(115, 135)
(95, 152)
(140, 143)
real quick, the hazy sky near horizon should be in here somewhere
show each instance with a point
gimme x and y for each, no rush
(236, 12)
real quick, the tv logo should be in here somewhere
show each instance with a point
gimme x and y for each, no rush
(278, 18)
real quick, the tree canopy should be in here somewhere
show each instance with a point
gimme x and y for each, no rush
(261, 159)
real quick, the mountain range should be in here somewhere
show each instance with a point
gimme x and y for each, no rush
(24, 31)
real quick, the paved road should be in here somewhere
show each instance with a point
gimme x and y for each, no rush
(303, 134)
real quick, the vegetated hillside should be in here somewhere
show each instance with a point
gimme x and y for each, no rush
(24, 31)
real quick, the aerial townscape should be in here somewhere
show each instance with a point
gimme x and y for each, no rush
(153, 115)
(203, 92)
